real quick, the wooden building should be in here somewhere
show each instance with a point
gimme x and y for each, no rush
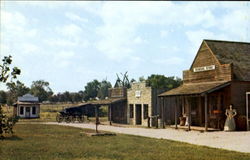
(27, 106)
(118, 105)
(219, 76)
(143, 105)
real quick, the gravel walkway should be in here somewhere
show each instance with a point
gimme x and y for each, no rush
(236, 141)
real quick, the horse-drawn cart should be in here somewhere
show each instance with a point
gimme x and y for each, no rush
(72, 114)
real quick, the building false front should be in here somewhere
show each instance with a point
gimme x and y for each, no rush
(27, 106)
(219, 76)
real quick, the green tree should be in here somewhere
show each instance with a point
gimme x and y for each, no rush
(3, 97)
(141, 79)
(103, 90)
(7, 123)
(91, 89)
(15, 90)
(162, 82)
(41, 89)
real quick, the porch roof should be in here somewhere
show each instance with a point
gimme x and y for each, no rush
(195, 88)
(101, 102)
(108, 101)
(25, 103)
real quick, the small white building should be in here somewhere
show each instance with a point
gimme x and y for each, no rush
(27, 106)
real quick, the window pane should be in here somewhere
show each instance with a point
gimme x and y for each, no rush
(33, 110)
(21, 110)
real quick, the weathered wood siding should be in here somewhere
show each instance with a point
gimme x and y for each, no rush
(119, 112)
(238, 94)
(117, 92)
(206, 58)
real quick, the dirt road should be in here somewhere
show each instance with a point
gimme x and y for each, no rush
(236, 141)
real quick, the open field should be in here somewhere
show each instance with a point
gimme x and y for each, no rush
(39, 141)
(48, 113)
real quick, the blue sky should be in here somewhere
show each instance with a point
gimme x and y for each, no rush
(72, 43)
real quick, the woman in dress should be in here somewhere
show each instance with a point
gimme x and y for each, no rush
(230, 123)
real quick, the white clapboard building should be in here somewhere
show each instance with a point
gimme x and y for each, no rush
(27, 106)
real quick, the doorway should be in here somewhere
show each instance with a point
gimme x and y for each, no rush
(27, 112)
(138, 114)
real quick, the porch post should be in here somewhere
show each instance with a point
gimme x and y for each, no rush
(110, 114)
(206, 112)
(175, 111)
(96, 119)
(189, 115)
(162, 116)
(247, 107)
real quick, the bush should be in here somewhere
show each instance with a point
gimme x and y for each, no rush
(6, 123)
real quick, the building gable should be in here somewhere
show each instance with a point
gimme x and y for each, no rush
(235, 53)
(206, 67)
(204, 57)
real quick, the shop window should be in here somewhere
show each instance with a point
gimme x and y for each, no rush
(33, 110)
(131, 110)
(21, 110)
(145, 108)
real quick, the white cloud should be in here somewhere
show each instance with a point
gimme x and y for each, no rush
(65, 54)
(197, 36)
(236, 24)
(63, 59)
(121, 22)
(75, 17)
(169, 61)
(164, 33)
(70, 30)
(29, 48)
(139, 40)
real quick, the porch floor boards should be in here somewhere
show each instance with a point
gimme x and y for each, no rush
(195, 128)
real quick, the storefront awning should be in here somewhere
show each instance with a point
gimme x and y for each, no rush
(196, 88)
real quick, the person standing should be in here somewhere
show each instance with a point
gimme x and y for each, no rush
(230, 122)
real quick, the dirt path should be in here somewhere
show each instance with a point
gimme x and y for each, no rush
(236, 141)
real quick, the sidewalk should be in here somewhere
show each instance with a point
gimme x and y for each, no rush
(236, 141)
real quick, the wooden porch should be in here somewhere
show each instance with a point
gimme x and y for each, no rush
(195, 128)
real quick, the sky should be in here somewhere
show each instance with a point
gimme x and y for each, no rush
(71, 43)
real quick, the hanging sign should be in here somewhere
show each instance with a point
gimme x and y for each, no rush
(205, 68)
(137, 93)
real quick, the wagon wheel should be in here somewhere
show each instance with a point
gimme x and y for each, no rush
(59, 118)
(81, 119)
(68, 119)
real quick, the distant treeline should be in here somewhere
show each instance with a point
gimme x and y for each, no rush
(92, 90)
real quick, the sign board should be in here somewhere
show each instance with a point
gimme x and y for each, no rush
(205, 68)
(137, 93)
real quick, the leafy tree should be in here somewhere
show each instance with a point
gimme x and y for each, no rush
(41, 89)
(103, 90)
(162, 82)
(6, 72)
(68, 97)
(15, 90)
(91, 89)
(7, 123)
(3, 97)
(77, 97)
(132, 80)
(141, 79)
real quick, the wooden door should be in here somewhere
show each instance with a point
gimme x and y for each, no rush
(27, 112)
(138, 114)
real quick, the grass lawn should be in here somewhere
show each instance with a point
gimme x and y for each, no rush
(39, 141)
